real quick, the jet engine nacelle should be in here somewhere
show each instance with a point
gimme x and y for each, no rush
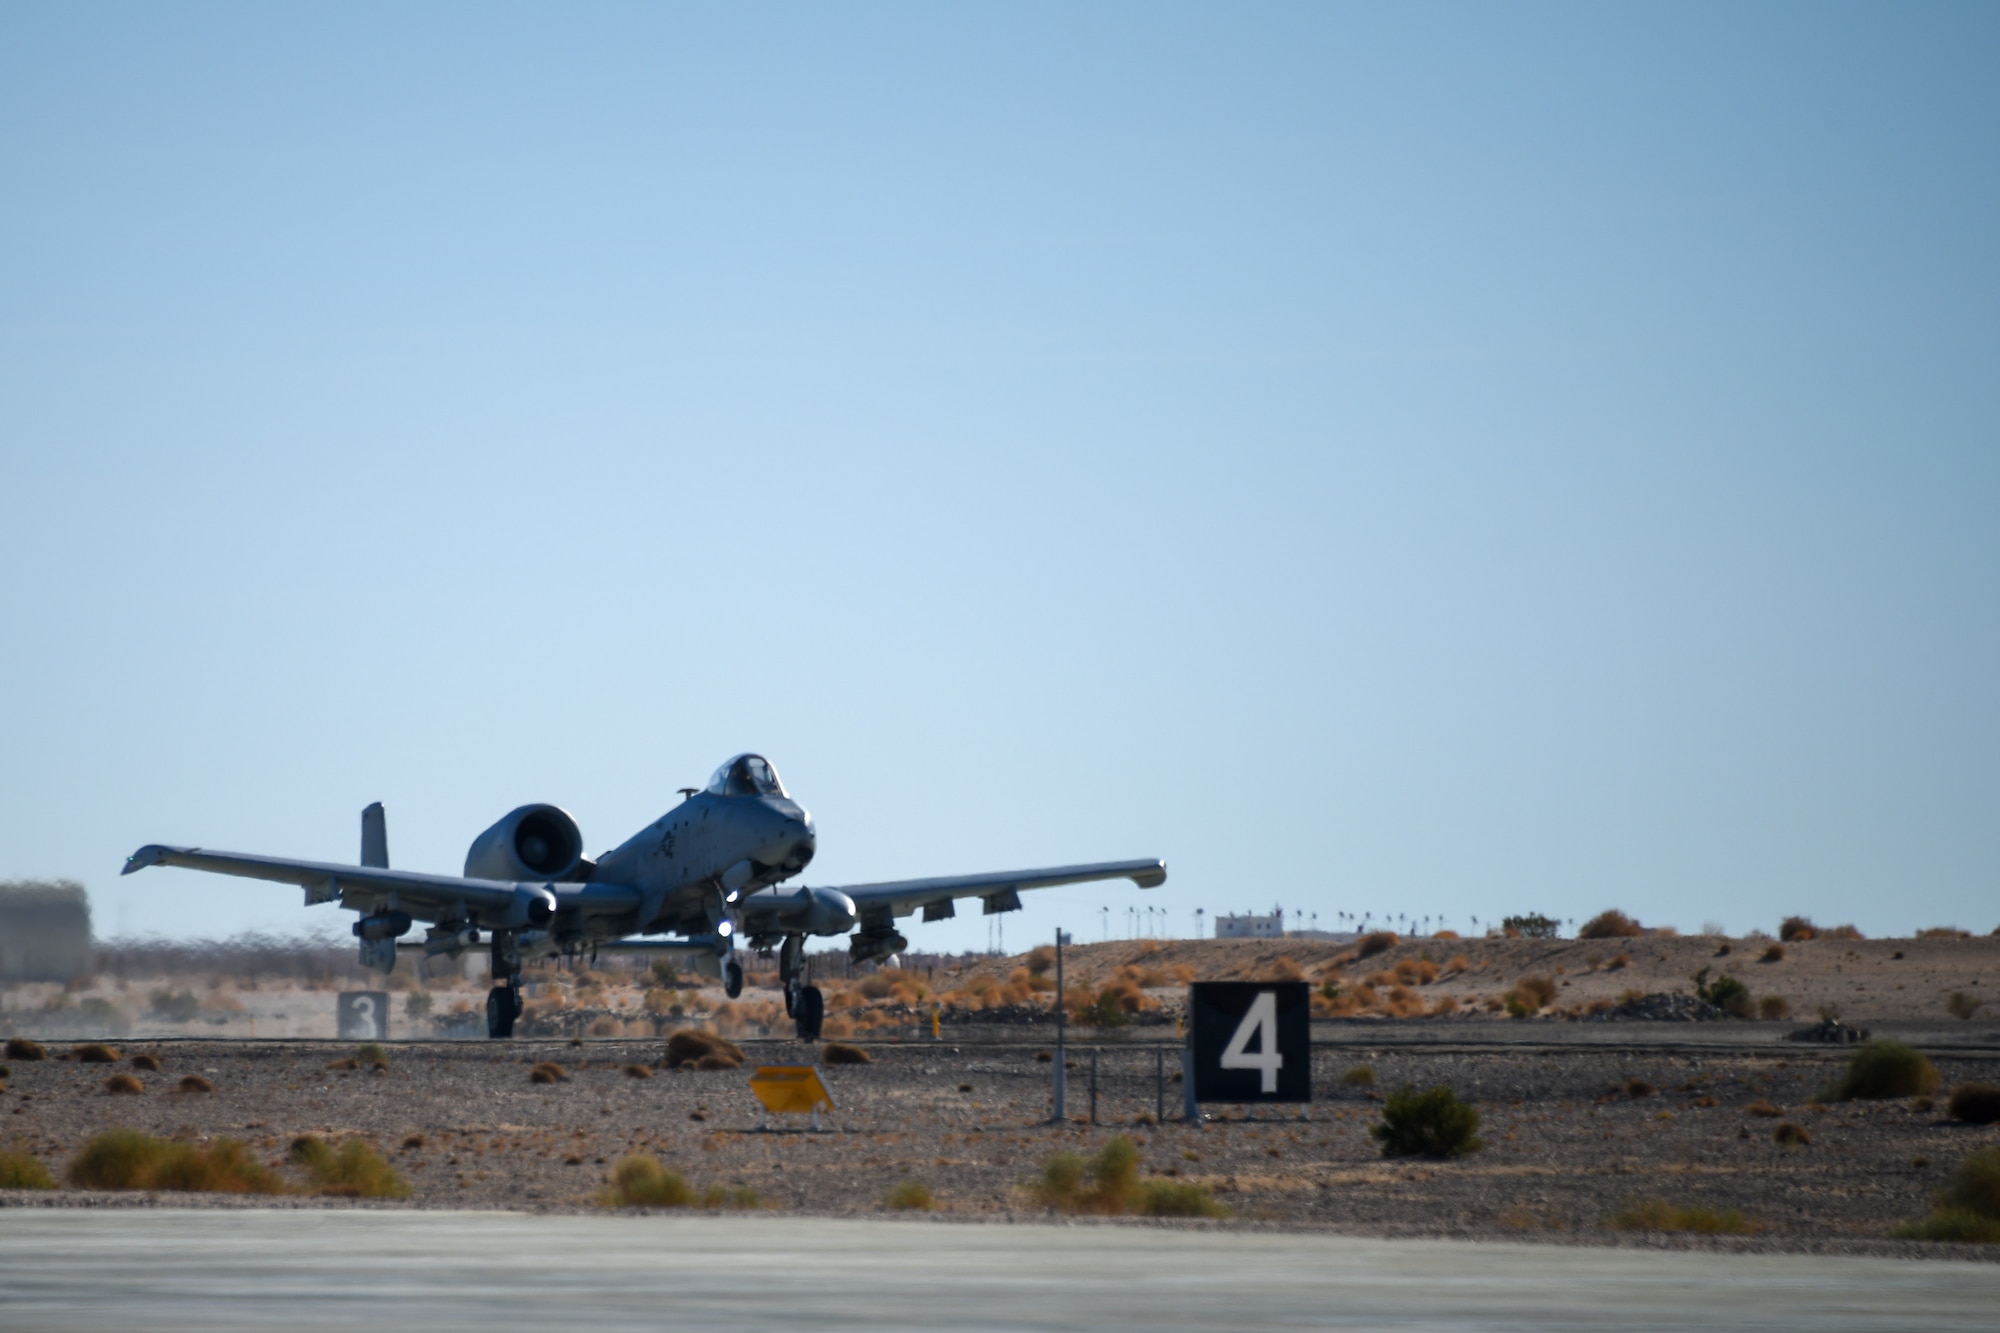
(535, 842)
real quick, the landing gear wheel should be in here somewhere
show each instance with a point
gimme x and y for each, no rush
(503, 1006)
(792, 1000)
(810, 1010)
(732, 978)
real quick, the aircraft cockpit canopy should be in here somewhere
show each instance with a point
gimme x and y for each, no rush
(746, 775)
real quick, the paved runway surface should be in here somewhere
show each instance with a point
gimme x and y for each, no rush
(309, 1269)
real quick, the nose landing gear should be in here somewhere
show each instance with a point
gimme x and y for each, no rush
(803, 1003)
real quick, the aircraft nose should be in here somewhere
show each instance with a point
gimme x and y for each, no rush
(804, 844)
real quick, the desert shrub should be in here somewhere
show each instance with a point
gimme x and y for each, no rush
(1944, 933)
(1659, 1215)
(1532, 926)
(1374, 942)
(690, 1046)
(1975, 1103)
(1529, 996)
(843, 1053)
(1416, 972)
(1610, 925)
(23, 1171)
(1459, 963)
(149, 1063)
(174, 1006)
(637, 1071)
(721, 1196)
(126, 1159)
(1060, 1184)
(346, 1063)
(123, 1085)
(1881, 1069)
(1975, 1186)
(1285, 969)
(418, 1004)
(1790, 1135)
(548, 1071)
(1773, 953)
(1726, 993)
(95, 1053)
(1762, 1107)
(1639, 1087)
(1178, 1198)
(639, 1181)
(22, 1048)
(1794, 928)
(1961, 1005)
(1445, 1006)
(196, 1083)
(354, 1170)
(1841, 933)
(1969, 1208)
(909, 1196)
(1773, 1007)
(1040, 959)
(1434, 1123)
(1622, 960)
(1359, 1076)
(371, 1056)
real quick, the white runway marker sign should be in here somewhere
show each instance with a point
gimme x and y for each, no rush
(1252, 1041)
(363, 1015)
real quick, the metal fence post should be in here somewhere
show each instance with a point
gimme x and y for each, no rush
(1060, 1113)
(1093, 1087)
(1191, 1109)
(1159, 1086)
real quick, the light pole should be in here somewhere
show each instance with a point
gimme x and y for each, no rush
(1197, 923)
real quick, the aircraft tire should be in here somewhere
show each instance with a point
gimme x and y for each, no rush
(811, 1011)
(732, 978)
(503, 1006)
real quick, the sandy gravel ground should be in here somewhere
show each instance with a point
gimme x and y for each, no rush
(1567, 1144)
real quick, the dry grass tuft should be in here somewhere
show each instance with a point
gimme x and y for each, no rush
(1359, 1076)
(909, 1196)
(1944, 933)
(691, 1046)
(353, 1171)
(1788, 1134)
(1639, 1087)
(1374, 942)
(371, 1056)
(196, 1083)
(123, 1085)
(639, 1181)
(23, 1048)
(843, 1053)
(1622, 960)
(413, 1142)
(23, 1171)
(1529, 996)
(346, 1063)
(1773, 953)
(1975, 1103)
(548, 1071)
(95, 1053)
(1841, 933)
(1762, 1107)
(1610, 925)
(149, 1063)
(1109, 1184)
(1962, 1006)
(126, 1159)
(637, 1071)
(1773, 1007)
(1658, 1215)
(1881, 1070)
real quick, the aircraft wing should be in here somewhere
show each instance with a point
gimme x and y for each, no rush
(1000, 888)
(325, 882)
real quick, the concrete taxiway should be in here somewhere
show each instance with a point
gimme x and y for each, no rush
(312, 1269)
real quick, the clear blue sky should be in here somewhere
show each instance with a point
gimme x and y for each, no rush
(1447, 459)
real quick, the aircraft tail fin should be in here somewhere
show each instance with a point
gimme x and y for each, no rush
(375, 838)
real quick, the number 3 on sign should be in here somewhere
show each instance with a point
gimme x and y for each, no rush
(1261, 1023)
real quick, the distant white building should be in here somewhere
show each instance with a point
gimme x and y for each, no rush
(1245, 926)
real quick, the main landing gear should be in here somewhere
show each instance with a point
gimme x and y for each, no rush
(803, 1003)
(503, 1002)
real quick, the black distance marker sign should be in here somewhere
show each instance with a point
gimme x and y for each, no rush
(1252, 1041)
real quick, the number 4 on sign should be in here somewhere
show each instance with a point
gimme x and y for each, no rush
(1261, 1023)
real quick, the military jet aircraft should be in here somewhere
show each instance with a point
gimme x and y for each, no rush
(708, 871)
